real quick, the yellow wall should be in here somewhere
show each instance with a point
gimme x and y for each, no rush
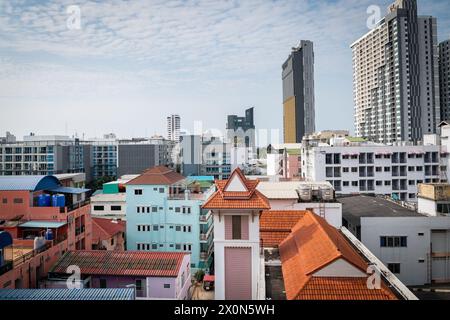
(289, 121)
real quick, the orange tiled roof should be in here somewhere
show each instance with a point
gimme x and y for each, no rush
(275, 226)
(249, 199)
(159, 175)
(339, 288)
(313, 245)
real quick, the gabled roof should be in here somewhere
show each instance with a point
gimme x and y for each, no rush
(247, 197)
(157, 176)
(122, 263)
(313, 245)
(104, 229)
(275, 226)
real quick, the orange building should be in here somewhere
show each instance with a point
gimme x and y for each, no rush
(45, 220)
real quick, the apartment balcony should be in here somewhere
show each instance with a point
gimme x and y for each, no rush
(204, 218)
(204, 236)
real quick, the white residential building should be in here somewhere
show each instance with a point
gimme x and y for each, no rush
(356, 167)
(396, 77)
(173, 127)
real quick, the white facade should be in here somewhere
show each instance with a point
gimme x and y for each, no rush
(109, 205)
(369, 168)
(417, 262)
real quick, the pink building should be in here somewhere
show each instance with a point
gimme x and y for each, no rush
(239, 268)
(155, 275)
(42, 231)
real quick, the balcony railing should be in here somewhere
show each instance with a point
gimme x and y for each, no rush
(205, 235)
(74, 206)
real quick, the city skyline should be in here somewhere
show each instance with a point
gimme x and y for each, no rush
(121, 70)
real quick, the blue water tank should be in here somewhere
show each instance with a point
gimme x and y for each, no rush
(48, 200)
(41, 200)
(58, 200)
(49, 234)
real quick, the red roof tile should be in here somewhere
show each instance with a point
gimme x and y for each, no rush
(249, 199)
(313, 245)
(275, 226)
(157, 176)
(122, 263)
(104, 229)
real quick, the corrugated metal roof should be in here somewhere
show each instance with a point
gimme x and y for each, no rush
(28, 183)
(42, 224)
(122, 263)
(67, 294)
(69, 190)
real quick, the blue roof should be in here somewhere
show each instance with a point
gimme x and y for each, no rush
(67, 294)
(42, 224)
(28, 183)
(68, 190)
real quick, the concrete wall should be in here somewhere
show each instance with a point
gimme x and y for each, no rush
(413, 271)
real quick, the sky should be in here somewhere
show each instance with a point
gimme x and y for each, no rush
(132, 63)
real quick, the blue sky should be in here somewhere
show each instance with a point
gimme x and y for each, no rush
(134, 62)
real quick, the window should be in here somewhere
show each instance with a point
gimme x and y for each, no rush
(102, 283)
(116, 208)
(393, 241)
(178, 247)
(154, 246)
(138, 192)
(155, 228)
(161, 190)
(236, 227)
(177, 209)
(154, 209)
(187, 210)
(394, 267)
(139, 285)
(5, 201)
(166, 286)
(18, 200)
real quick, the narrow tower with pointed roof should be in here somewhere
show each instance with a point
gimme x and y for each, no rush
(236, 208)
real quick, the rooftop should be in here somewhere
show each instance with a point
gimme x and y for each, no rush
(157, 176)
(103, 229)
(356, 207)
(310, 248)
(275, 226)
(109, 197)
(67, 294)
(122, 263)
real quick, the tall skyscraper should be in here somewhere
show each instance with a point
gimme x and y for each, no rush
(173, 127)
(396, 77)
(444, 76)
(298, 93)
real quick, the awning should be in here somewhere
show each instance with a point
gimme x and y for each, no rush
(69, 190)
(43, 224)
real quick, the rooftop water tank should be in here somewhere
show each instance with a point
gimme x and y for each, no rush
(58, 200)
(305, 192)
(49, 234)
(326, 193)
